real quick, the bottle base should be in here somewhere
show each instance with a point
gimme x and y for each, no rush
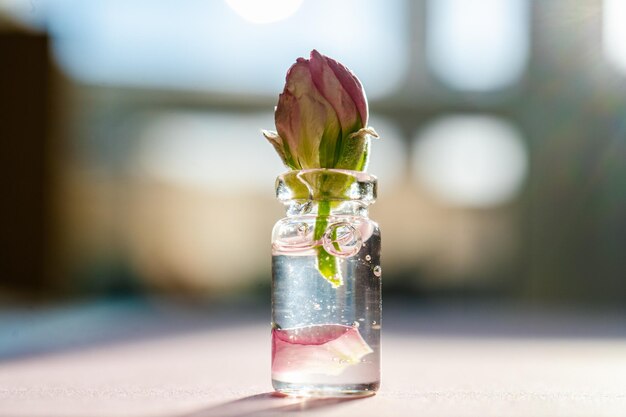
(325, 390)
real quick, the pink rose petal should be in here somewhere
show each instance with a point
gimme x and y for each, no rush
(326, 349)
(305, 120)
(331, 88)
(353, 86)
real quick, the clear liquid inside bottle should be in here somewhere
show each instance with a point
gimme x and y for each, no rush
(326, 339)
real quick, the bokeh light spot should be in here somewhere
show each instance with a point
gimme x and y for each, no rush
(470, 161)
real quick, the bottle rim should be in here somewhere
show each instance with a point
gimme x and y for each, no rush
(326, 184)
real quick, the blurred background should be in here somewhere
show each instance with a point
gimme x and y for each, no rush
(131, 159)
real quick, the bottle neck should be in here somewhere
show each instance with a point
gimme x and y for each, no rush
(296, 208)
(326, 192)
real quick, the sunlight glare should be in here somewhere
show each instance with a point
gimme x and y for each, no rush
(614, 32)
(264, 11)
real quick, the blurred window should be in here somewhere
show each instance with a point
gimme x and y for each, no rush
(470, 160)
(226, 153)
(216, 46)
(223, 152)
(388, 154)
(614, 33)
(477, 45)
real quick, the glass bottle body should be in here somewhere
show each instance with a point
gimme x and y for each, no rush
(325, 335)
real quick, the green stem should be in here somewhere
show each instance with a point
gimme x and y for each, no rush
(326, 263)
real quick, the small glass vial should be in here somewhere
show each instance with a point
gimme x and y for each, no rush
(326, 329)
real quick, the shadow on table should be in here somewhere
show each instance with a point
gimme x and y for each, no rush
(267, 404)
(492, 320)
(26, 332)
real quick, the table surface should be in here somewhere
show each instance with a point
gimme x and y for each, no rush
(166, 358)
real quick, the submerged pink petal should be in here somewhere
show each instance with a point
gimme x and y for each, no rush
(323, 349)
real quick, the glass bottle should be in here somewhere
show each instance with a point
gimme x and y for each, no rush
(326, 329)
